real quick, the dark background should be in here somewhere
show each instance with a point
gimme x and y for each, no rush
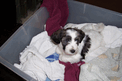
(12, 13)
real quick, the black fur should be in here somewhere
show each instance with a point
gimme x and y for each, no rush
(61, 33)
(65, 41)
(58, 35)
(81, 35)
(86, 46)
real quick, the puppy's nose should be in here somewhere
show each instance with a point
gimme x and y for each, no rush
(72, 51)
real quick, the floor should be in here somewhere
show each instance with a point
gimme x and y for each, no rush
(6, 74)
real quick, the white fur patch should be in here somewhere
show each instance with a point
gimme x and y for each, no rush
(72, 44)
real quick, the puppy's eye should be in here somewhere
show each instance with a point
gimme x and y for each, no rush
(77, 39)
(68, 39)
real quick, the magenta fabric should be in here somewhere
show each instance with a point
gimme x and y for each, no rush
(72, 71)
(58, 12)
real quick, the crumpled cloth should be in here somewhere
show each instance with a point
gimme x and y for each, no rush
(91, 72)
(72, 71)
(33, 59)
(36, 61)
(105, 67)
(58, 12)
(111, 37)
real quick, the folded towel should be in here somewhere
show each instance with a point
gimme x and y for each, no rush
(58, 12)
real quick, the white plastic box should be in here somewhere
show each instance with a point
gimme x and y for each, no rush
(78, 13)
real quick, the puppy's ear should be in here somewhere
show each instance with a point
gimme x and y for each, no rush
(57, 36)
(82, 35)
(86, 46)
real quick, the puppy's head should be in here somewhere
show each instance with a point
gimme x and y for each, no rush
(68, 39)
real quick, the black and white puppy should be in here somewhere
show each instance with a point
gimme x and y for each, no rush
(72, 43)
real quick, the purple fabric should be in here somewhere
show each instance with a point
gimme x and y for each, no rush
(72, 71)
(58, 12)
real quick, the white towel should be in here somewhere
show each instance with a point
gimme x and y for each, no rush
(91, 72)
(33, 62)
(43, 44)
(112, 36)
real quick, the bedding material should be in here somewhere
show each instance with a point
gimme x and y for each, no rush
(104, 63)
(72, 71)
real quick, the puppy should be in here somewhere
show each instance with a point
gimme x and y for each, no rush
(72, 43)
